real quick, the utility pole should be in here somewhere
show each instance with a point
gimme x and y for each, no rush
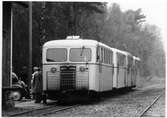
(30, 46)
(42, 29)
(11, 48)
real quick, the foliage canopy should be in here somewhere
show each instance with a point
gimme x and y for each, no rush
(93, 20)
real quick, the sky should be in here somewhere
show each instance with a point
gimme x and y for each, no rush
(154, 10)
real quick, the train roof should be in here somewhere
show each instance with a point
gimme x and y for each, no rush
(136, 58)
(65, 42)
(76, 40)
(115, 49)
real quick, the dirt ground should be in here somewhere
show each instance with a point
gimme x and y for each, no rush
(124, 105)
(129, 104)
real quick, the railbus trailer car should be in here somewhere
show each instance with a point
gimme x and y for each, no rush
(82, 66)
(120, 69)
(136, 68)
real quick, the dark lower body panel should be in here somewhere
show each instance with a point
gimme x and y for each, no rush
(68, 94)
(52, 94)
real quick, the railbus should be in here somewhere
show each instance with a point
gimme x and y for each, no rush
(75, 65)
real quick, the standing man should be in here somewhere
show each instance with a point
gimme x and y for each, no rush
(35, 70)
(37, 84)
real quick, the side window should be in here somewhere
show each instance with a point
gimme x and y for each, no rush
(107, 56)
(118, 58)
(101, 55)
(121, 59)
(98, 54)
(104, 55)
(130, 60)
(137, 64)
(110, 57)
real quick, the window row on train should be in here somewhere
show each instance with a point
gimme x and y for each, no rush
(106, 56)
(121, 59)
(130, 60)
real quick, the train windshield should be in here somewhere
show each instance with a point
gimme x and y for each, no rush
(80, 54)
(56, 55)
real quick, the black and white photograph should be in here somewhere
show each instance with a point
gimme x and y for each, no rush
(83, 58)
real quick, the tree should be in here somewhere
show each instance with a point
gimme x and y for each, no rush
(56, 21)
(91, 20)
(126, 31)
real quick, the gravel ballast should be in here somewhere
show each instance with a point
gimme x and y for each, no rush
(129, 104)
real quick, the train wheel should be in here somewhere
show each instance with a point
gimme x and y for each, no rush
(16, 95)
(129, 88)
(94, 96)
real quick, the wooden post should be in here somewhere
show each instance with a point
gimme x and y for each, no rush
(30, 45)
(7, 102)
(11, 48)
(6, 54)
(43, 29)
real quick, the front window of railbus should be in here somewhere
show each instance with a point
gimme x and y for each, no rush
(56, 55)
(80, 54)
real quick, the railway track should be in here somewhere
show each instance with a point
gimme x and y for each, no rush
(143, 113)
(58, 110)
(152, 94)
(42, 111)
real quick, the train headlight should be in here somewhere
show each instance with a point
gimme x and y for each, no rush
(82, 68)
(53, 69)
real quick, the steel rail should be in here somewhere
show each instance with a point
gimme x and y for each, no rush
(45, 111)
(148, 107)
(57, 110)
(30, 111)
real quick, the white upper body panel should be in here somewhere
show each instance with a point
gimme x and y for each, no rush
(136, 58)
(70, 43)
(79, 43)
